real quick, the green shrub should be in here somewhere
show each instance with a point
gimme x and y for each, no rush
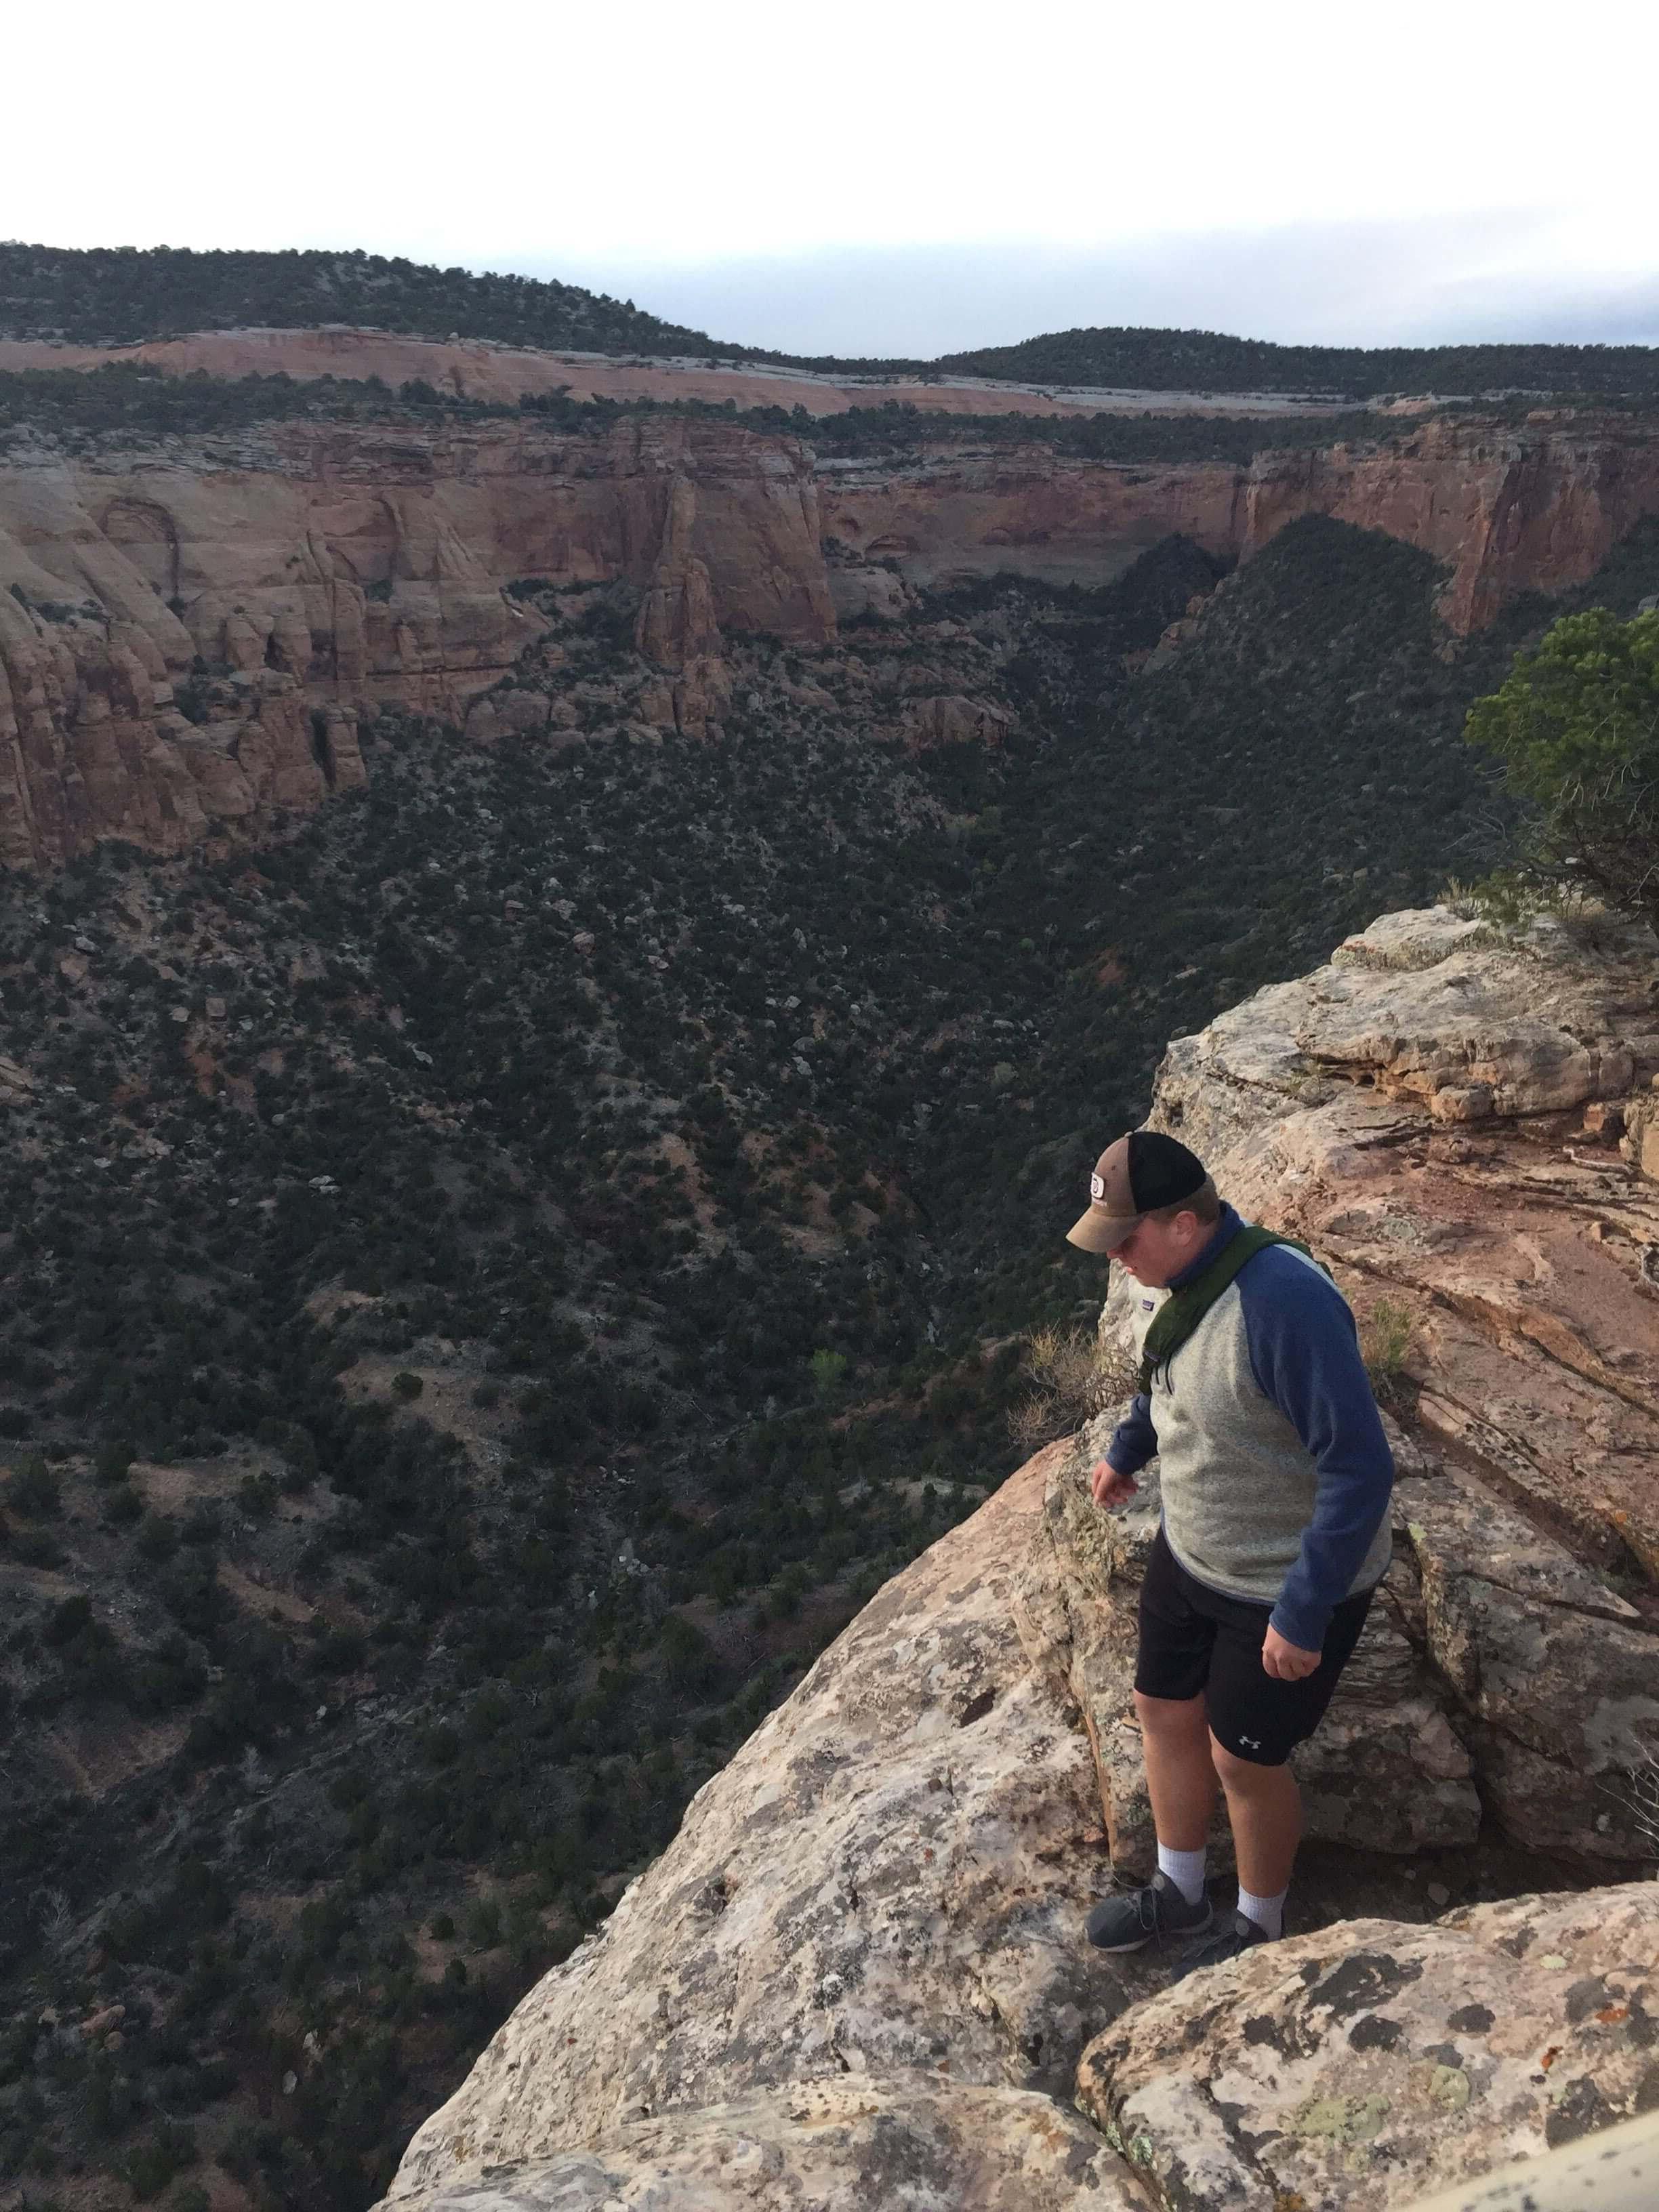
(34, 1490)
(1577, 728)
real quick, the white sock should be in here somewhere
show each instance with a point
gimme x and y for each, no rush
(1185, 1869)
(1267, 1912)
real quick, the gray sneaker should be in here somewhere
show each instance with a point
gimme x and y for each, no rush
(1232, 1938)
(1157, 1914)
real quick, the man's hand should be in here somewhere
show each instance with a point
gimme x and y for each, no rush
(1286, 1662)
(1109, 1487)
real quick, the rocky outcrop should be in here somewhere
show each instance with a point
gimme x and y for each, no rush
(883, 1889)
(186, 645)
(950, 719)
(1445, 1113)
(1460, 1120)
(857, 1974)
(1362, 2066)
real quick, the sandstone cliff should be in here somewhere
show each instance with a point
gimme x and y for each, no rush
(857, 1976)
(1508, 509)
(295, 577)
(187, 642)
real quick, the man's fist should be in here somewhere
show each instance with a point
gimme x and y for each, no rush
(1287, 1661)
(1109, 1487)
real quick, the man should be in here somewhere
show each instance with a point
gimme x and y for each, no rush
(1276, 1477)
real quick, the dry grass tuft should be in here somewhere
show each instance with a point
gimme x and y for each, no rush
(1071, 1378)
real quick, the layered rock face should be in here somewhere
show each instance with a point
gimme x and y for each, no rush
(315, 574)
(1536, 509)
(304, 574)
(1509, 509)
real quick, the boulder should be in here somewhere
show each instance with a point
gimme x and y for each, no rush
(952, 719)
(849, 2145)
(1360, 2067)
(1557, 1673)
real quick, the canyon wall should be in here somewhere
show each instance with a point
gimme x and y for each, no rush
(1508, 509)
(1537, 508)
(191, 631)
(188, 636)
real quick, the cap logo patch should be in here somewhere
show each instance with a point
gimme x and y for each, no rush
(1097, 1187)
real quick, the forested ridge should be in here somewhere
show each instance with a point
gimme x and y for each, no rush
(121, 295)
(494, 1279)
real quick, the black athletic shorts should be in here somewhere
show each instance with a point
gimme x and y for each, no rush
(1198, 1642)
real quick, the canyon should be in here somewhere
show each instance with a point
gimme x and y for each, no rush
(193, 628)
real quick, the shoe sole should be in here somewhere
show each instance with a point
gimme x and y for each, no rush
(1175, 1935)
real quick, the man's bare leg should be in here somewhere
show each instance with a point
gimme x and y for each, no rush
(1182, 1784)
(1265, 1808)
(1181, 1775)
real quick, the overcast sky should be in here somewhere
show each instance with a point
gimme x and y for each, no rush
(883, 176)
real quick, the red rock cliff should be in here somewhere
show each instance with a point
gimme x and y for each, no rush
(313, 572)
(1533, 508)
(1508, 509)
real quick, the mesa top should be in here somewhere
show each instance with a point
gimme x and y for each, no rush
(1276, 1473)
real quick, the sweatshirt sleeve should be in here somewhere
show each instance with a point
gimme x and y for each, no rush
(1134, 1440)
(1304, 1354)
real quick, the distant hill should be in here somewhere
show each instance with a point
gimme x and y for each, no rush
(123, 295)
(1207, 361)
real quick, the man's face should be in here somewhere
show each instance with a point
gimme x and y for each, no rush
(1155, 1250)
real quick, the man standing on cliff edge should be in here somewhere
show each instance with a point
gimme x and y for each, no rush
(1276, 1477)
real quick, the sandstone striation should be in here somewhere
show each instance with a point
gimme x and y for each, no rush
(1507, 508)
(187, 645)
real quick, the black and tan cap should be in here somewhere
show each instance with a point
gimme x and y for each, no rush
(1133, 1178)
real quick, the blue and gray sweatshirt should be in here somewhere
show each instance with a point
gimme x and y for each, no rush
(1276, 1473)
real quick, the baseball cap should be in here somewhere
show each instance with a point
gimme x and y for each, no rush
(1133, 1178)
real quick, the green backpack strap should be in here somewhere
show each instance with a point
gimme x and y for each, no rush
(1181, 1313)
